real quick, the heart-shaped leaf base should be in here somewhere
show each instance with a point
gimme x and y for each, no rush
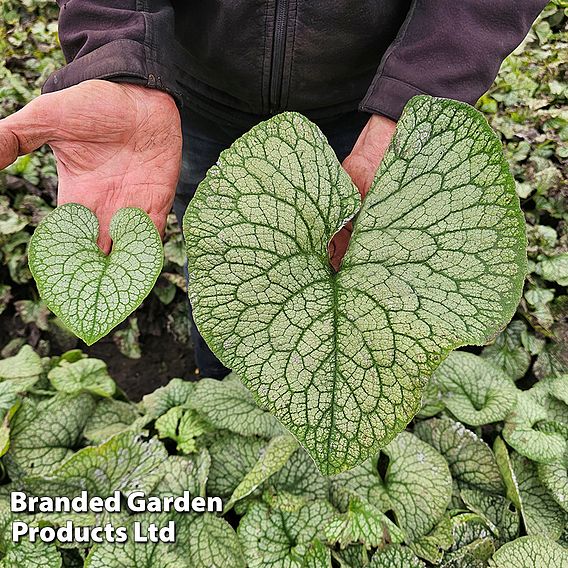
(88, 290)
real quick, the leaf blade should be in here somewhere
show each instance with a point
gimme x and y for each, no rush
(89, 291)
(341, 359)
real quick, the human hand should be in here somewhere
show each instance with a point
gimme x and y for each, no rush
(116, 145)
(361, 165)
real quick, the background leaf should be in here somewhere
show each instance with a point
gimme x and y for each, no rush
(473, 390)
(470, 459)
(86, 374)
(530, 552)
(282, 538)
(44, 433)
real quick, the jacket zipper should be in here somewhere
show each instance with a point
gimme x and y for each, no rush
(278, 54)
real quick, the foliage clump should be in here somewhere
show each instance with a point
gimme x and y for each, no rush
(440, 494)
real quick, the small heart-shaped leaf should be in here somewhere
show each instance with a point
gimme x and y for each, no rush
(475, 391)
(436, 260)
(88, 290)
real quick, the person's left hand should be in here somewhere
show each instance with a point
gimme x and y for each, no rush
(361, 165)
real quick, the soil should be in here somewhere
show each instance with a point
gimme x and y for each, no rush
(163, 357)
(162, 360)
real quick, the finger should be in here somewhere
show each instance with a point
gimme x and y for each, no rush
(26, 130)
(361, 173)
(343, 239)
(160, 220)
(104, 241)
(338, 247)
(9, 147)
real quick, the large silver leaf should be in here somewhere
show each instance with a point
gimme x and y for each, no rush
(436, 261)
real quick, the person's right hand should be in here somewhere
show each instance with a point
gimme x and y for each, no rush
(116, 145)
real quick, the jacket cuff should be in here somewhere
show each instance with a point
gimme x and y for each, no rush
(387, 96)
(122, 61)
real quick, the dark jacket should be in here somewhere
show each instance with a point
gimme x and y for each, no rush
(242, 60)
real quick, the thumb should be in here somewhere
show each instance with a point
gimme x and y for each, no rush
(27, 130)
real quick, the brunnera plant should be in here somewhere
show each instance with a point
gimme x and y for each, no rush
(436, 261)
(439, 495)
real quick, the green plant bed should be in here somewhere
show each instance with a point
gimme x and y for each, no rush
(440, 494)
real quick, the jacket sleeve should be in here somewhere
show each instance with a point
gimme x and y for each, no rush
(449, 48)
(120, 40)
